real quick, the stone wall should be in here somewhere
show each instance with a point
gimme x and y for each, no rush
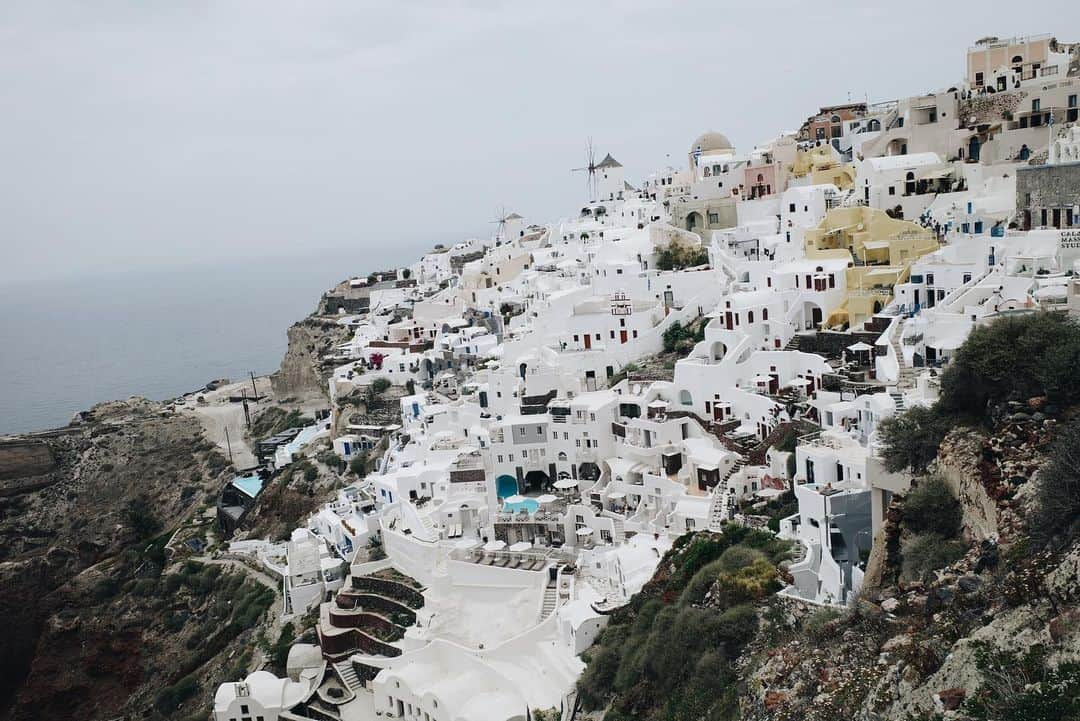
(989, 107)
(1049, 186)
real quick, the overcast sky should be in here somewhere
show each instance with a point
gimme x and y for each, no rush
(138, 134)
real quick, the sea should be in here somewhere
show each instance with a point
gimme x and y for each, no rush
(68, 344)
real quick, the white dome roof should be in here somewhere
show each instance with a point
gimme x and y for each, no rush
(711, 141)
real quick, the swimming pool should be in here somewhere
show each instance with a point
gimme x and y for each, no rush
(529, 504)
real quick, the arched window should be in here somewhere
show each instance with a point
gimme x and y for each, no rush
(685, 398)
(750, 316)
(764, 313)
(562, 455)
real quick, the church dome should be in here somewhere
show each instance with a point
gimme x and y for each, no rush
(711, 142)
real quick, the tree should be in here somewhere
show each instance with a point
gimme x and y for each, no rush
(1013, 358)
(930, 507)
(911, 439)
(139, 516)
(358, 465)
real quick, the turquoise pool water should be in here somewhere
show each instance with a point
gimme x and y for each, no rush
(251, 485)
(528, 504)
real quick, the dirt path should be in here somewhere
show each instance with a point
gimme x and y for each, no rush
(217, 414)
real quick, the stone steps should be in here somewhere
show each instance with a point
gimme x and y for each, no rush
(347, 674)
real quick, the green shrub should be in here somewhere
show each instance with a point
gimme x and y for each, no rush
(700, 584)
(1013, 357)
(1024, 687)
(172, 696)
(911, 438)
(750, 583)
(595, 684)
(678, 256)
(358, 465)
(739, 557)
(930, 507)
(140, 517)
(816, 625)
(1057, 490)
(279, 652)
(380, 384)
(927, 552)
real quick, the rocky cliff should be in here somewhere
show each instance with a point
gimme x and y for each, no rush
(90, 631)
(302, 369)
(990, 635)
(968, 615)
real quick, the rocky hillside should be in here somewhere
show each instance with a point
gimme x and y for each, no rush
(971, 604)
(671, 653)
(970, 617)
(97, 627)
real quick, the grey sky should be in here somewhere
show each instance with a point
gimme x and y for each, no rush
(153, 133)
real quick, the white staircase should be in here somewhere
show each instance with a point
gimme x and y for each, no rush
(551, 599)
(347, 674)
(718, 512)
(428, 524)
(906, 378)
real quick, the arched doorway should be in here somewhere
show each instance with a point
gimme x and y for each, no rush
(909, 183)
(974, 147)
(589, 471)
(537, 481)
(694, 221)
(506, 486)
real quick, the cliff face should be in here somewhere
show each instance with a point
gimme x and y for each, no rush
(979, 623)
(991, 635)
(301, 370)
(78, 642)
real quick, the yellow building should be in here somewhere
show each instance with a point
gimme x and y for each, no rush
(822, 165)
(880, 251)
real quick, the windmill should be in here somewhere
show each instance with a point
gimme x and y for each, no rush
(501, 218)
(590, 169)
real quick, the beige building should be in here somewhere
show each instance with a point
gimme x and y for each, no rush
(880, 251)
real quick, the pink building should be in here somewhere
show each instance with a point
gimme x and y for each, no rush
(761, 181)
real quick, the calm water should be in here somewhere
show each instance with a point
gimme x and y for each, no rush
(65, 346)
